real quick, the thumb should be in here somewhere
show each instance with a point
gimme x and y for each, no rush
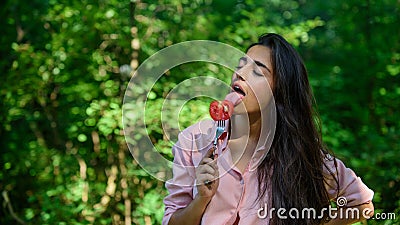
(210, 152)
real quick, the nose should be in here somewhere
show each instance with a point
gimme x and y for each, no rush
(240, 75)
(243, 72)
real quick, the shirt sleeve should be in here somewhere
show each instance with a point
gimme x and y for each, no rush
(180, 187)
(348, 184)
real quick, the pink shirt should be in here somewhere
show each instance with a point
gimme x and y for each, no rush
(237, 192)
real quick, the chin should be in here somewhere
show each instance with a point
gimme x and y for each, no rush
(239, 110)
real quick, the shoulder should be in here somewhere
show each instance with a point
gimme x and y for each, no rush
(332, 166)
(200, 128)
(195, 138)
(343, 181)
(200, 131)
(335, 166)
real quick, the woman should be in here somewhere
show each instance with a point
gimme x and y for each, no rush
(256, 183)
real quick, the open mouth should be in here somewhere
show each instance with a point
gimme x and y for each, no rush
(238, 89)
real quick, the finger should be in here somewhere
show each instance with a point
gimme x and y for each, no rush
(206, 161)
(207, 169)
(215, 180)
(202, 178)
(213, 164)
(210, 152)
(209, 156)
(208, 183)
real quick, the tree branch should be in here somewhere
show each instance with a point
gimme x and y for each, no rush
(10, 208)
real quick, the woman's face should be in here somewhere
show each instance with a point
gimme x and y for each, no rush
(254, 78)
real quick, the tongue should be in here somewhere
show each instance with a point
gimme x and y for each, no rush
(234, 97)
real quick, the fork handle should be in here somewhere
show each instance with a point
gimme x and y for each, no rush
(215, 141)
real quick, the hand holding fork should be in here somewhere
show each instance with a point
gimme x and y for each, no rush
(220, 129)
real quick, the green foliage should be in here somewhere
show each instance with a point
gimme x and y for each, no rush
(64, 158)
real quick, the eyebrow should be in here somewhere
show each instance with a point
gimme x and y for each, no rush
(243, 59)
(258, 63)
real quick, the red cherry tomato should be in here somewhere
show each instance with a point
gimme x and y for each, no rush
(221, 110)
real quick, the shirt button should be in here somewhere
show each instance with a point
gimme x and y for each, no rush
(241, 181)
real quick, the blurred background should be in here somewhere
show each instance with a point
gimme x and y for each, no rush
(65, 66)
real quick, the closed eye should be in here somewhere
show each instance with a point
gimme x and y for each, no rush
(257, 73)
(258, 65)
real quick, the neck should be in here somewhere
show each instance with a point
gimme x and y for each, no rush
(246, 126)
(244, 136)
(254, 127)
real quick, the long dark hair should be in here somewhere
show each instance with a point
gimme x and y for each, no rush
(293, 168)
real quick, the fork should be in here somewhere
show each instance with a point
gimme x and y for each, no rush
(218, 133)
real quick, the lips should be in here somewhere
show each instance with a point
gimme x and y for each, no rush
(238, 89)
